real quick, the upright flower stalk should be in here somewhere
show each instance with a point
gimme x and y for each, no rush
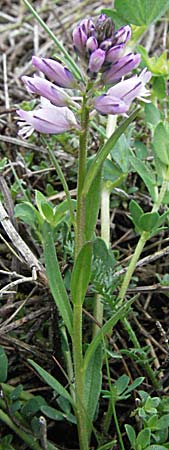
(80, 221)
(103, 61)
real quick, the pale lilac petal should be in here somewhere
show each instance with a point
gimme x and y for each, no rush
(79, 40)
(132, 88)
(96, 60)
(91, 44)
(123, 87)
(121, 67)
(87, 26)
(114, 53)
(45, 88)
(123, 35)
(106, 104)
(55, 71)
(50, 120)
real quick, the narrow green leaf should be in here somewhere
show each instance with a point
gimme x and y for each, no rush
(93, 381)
(3, 365)
(51, 381)
(131, 435)
(47, 211)
(145, 173)
(143, 438)
(121, 384)
(81, 274)
(108, 445)
(92, 206)
(136, 211)
(70, 62)
(28, 214)
(148, 221)
(55, 278)
(161, 143)
(135, 384)
(156, 447)
(122, 311)
(104, 152)
(52, 413)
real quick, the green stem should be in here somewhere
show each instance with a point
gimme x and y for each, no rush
(105, 226)
(117, 426)
(140, 245)
(77, 312)
(79, 378)
(80, 219)
(111, 406)
(143, 238)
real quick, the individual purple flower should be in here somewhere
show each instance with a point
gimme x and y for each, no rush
(119, 97)
(107, 104)
(132, 88)
(96, 61)
(79, 40)
(44, 88)
(55, 72)
(49, 119)
(121, 67)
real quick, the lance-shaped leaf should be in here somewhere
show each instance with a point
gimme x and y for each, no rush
(55, 278)
(104, 152)
(93, 382)
(51, 381)
(92, 206)
(81, 274)
(3, 365)
(122, 311)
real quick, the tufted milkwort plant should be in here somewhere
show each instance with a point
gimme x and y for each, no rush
(69, 99)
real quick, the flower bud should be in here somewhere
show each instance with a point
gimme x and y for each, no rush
(104, 27)
(79, 40)
(121, 67)
(96, 61)
(55, 71)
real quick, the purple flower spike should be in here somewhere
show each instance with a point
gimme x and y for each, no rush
(48, 119)
(55, 71)
(106, 104)
(123, 35)
(114, 53)
(121, 67)
(96, 61)
(45, 88)
(79, 40)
